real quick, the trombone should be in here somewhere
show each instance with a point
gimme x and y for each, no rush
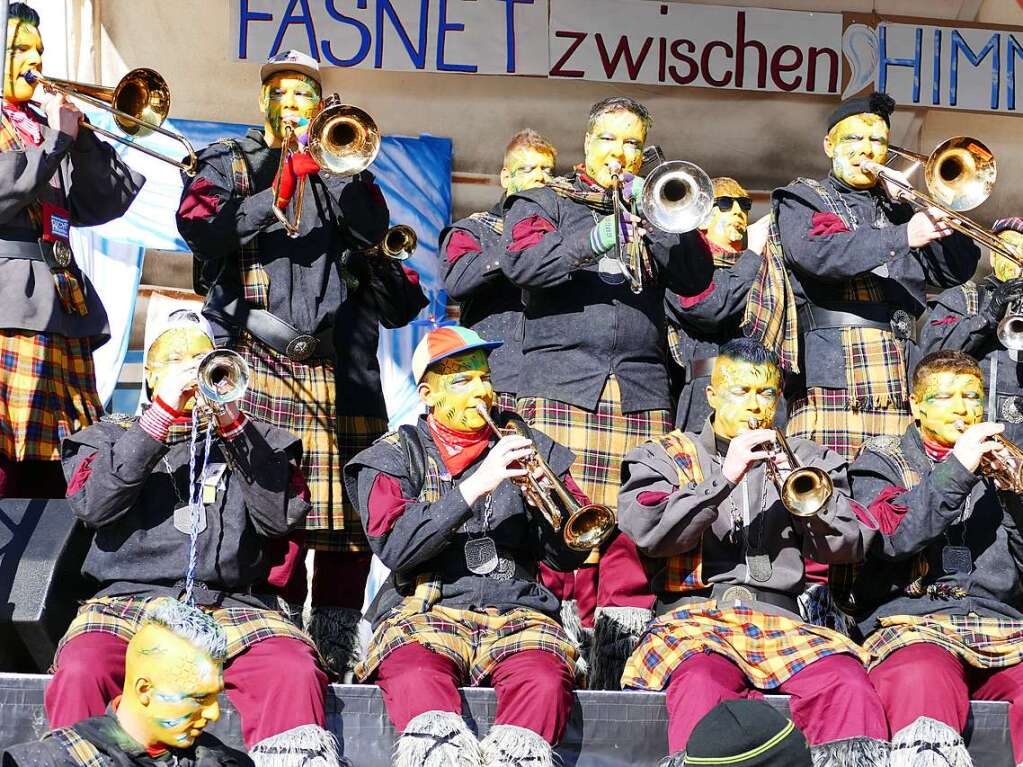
(343, 140)
(807, 489)
(140, 102)
(959, 175)
(587, 526)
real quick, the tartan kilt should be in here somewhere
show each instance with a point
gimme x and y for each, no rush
(301, 399)
(47, 392)
(833, 419)
(474, 641)
(980, 642)
(769, 649)
(599, 438)
(120, 616)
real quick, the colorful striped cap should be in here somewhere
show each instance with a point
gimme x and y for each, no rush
(1012, 224)
(446, 342)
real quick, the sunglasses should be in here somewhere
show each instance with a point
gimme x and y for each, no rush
(725, 203)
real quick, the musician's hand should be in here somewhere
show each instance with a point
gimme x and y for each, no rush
(303, 164)
(1004, 294)
(743, 450)
(500, 464)
(757, 232)
(976, 442)
(61, 114)
(177, 383)
(228, 415)
(892, 189)
(926, 226)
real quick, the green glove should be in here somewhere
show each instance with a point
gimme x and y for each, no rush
(602, 236)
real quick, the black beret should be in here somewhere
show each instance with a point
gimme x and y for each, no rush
(880, 104)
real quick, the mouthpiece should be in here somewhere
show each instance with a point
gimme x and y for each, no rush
(31, 77)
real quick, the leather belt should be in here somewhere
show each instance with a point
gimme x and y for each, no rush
(283, 337)
(56, 255)
(732, 596)
(877, 316)
(701, 368)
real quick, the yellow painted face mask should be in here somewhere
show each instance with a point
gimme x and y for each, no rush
(945, 404)
(24, 53)
(853, 140)
(740, 392)
(171, 688)
(616, 138)
(288, 95)
(175, 347)
(453, 387)
(727, 229)
(526, 168)
(1005, 269)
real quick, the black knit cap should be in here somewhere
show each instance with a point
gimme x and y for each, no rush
(746, 733)
(880, 104)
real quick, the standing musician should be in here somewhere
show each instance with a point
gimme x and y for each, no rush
(53, 174)
(138, 484)
(276, 298)
(726, 563)
(593, 367)
(697, 328)
(967, 318)
(471, 248)
(463, 604)
(938, 596)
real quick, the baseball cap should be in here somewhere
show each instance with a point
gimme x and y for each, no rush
(291, 61)
(446, 342)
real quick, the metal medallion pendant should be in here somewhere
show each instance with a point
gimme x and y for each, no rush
(759, 566)
(481, 555)
(183, 520)
(956, 559)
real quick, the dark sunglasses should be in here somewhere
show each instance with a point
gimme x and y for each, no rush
(725, 203)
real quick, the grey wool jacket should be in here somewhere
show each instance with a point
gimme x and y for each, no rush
(727, 523)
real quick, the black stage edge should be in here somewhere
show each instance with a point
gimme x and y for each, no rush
(607, 729)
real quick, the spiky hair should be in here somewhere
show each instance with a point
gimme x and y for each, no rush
(188, 623)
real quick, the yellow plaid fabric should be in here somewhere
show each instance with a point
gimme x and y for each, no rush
(829, 418)
(769, 649)
(980, 642)
(121, 616)
(684, 571)
(475, 641)
(771, 313)
(599, 438)
(81, 751)
(875, 368)
(47, 391)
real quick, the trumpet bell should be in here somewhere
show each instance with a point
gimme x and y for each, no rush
(222, 376)
(588, 527)
(806, 491)
(143, 94)
(960, 173)
(1010, 332)
(343, 139)
(400, 242)
(677, 196)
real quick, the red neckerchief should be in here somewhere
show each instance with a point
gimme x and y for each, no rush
(936, 452)
(580, 172)
(24, 121)
(458, 449)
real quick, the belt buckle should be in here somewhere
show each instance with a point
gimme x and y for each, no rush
(738, 594)
(902, 324)
(62, 254)
(301, 347)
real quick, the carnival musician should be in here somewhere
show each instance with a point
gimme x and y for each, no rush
(463, 604)
(180, 514)
(53, 173)
(937, 596)
(173, 674)
(697, 328)
(968, 318)
(276, 298)
(593, 371)
(726, 561)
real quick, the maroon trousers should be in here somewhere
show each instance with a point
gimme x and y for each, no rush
(927, 680)
(276, 684)
(832, 698)
(534, 689)
(339, 577)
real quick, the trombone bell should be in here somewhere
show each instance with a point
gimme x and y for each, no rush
(677, 196)
(344, 140)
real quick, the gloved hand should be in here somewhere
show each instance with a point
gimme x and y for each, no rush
(602, 236)
(296, 168)
(632, 188)
(1001, 296)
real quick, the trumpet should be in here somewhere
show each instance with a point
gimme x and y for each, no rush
(587, 526)
(807, 489)
(140, 102)
(399, 243)
(1010, 329)
(1003, 466)
(222, 376)
(343, 140)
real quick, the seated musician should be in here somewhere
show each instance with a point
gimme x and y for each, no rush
(726, 558)
(463, 604)
(173, 674)
(938, 598)
(130, 482)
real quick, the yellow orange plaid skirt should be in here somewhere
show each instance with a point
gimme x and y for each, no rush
(120, 616)
(599, 438)
(47, 391)
(829, 418)
(979, 641)
(769, 649)
(475, 641)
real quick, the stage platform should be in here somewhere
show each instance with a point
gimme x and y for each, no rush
(607, 729)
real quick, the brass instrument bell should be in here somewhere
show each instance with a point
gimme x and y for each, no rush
(807, 489)
(222, 376)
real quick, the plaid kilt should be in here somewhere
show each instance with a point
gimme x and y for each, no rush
(980, 642)
(300, 398)
(47, 391)
(600, 439)
(475, 641)
(769, 649)
(120, 616)
(833, 419)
